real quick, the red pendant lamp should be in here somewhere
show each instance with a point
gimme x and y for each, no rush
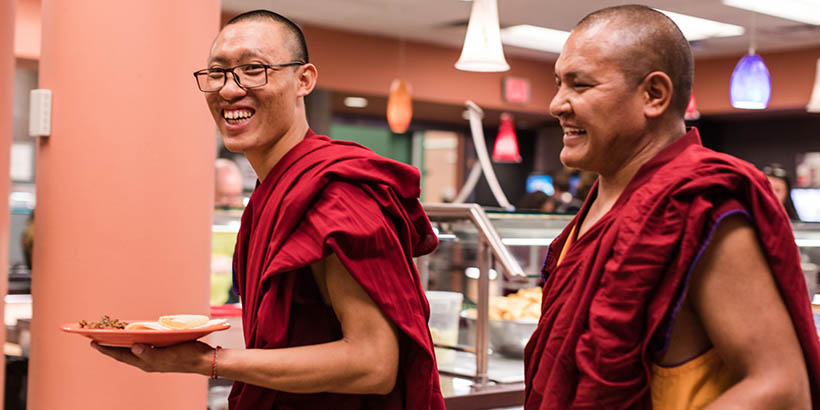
(692, 112)
(399, 106)
(506, 143)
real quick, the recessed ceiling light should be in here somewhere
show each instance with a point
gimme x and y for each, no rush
(552, 41)
(355, 102)
(805, 11)
(696, 28)
(534, 37)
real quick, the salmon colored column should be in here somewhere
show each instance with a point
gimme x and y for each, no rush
(6, 129)
(124, 194)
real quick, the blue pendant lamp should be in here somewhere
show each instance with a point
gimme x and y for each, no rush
(751, 85)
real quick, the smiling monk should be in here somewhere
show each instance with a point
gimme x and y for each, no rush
(333, 310)
(678, 284)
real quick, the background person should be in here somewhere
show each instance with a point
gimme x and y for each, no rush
(537, 201)
(782, 187)
(227, 184)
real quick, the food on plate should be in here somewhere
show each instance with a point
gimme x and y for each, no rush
(104, 323)
(183, 321)
(176, 322)
(169, 322)
(146, 326)
(524, 304)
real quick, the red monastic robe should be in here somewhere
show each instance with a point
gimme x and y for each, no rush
(337, 197)
(608, 307)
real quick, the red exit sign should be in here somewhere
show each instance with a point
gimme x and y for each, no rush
(515, 90)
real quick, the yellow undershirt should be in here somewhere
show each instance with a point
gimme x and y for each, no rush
(691, 385)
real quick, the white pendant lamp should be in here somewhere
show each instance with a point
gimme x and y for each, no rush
(482, 49)
(814, 101)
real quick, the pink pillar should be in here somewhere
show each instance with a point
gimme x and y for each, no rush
(6, 129)
(124, 193)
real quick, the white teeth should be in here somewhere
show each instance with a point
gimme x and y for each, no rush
(237, 114)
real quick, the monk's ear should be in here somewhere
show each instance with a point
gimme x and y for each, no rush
(307, 76)
(657, 90)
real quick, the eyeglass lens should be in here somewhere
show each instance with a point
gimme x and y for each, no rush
(248, 76)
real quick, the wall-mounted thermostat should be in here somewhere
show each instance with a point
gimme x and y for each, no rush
(39, 122)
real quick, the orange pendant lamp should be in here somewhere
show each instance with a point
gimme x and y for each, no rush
(506, 143)
(399, 106)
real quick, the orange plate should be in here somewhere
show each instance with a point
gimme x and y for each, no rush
(126, 338)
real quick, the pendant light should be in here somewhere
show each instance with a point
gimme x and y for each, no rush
(506, 143)
(751, 85)
(692, 112)
(814, 101)
(399, 102)
(399, 106)
(482, 49)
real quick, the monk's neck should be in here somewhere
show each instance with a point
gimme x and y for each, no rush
(264, 160)
(611, 185)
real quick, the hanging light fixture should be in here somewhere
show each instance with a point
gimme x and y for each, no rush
(814, 101)
(751, 85)
(482, 49)
(506, 143)
(399, 106)
(692, 112)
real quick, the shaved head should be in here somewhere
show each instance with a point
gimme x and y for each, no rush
(650, 41)
(297, 44)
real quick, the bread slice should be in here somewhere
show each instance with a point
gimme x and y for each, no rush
(145, 326)
(183, 321)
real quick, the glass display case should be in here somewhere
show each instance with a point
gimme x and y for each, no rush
(807, 237)
(484, 254)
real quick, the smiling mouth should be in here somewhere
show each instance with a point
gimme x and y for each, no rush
(574, 131)
(234, 117)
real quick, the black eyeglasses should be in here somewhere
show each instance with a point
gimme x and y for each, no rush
(246, 76)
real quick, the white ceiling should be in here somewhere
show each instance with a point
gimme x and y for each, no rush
(442, 21)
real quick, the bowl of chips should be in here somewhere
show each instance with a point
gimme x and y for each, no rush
(513, 319)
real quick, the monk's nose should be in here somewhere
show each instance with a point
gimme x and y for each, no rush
(559, 106)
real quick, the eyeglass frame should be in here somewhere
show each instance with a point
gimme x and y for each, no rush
(775, 171)
(225, 72)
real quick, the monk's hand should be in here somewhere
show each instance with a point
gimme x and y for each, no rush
(190, 357)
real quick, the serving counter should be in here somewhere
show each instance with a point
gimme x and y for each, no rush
(484, 253)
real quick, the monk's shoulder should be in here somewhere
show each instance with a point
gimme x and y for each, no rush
(344, 203)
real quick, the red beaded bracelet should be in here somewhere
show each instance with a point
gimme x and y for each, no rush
(213, 364)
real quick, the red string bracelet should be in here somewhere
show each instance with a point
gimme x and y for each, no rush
(213, 364)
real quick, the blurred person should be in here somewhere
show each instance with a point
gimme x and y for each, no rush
(27, 240)
(678, 284)
(586, 180)
(227, 184)
(537, 201)
(334, 314)
(782, 187)
(565, 201)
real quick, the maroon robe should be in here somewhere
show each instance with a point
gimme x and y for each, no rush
(336, 197)
(608, 308)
